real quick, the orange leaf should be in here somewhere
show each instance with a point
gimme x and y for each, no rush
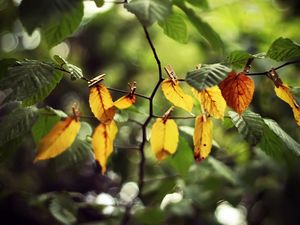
(101, 103)
(212, 101)
(125, 101)
(202, 137)
(103, 139)
(164, 138)
(58, 139)
(283, 92)
(175, 94)
(237, 90)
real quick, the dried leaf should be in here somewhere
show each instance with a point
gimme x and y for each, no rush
(237, 90)
(175, 94)
(164, 138)
(212, 101)
(125, 101)
(58, 139)
(101, 103)
(202, 137)
(103, 139)
(284, 93)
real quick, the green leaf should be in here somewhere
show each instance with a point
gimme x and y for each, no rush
(227, 123)
(204, 29)
(99, 3)
(222, 169)
(149, 11)
(288, 141)
(4, 65)
(183, 158)
(250, 125)
(56, 18)
(199, 3)
(271, 144)
(150, 216)
(15, 121)
(44, 124)
(31, 81)
(74, 71)
(65, 23)
(63, 209)
(238, 58)
(283, 49)
(9, 148)
(175, 27)
(208, 75)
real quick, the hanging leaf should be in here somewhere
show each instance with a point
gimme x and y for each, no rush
(30, 80)
(101, 103)
(127, 100)
(283, 49)
(149, 11)
(103, 139)
(61, 137)
(250, 125)
(212, 101)
(164, 138)
(237, 90)
(202, 137)
(284, 93)
(175, 27)
(207, 75)
(74, 71)
(15, 121)
(175, 94)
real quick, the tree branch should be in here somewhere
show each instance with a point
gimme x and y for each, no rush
(276, 68)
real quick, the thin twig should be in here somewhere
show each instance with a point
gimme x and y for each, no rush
(176, 117)
(126, 92)
(276, 68)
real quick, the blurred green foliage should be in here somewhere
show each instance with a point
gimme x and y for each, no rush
(109, 39)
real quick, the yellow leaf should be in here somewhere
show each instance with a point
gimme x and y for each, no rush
(283, 92)
(212, 101)
(202, 137)
(103, 139)
(58, 139)
(101, 103)
(164, 138)
(125, 101)
(175, 94)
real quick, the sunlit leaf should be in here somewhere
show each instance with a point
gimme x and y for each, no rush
(283, 49)
(175, 27)
(208, 75)
(103, 139)
(149, 11)
(175, 94)
(125, 101)
(164, 138)
(237, 90)
(30, 80)
(202, 137)
(284, 93)
(101, 103)
(212, 101)
(250, 125)
(61, 137)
